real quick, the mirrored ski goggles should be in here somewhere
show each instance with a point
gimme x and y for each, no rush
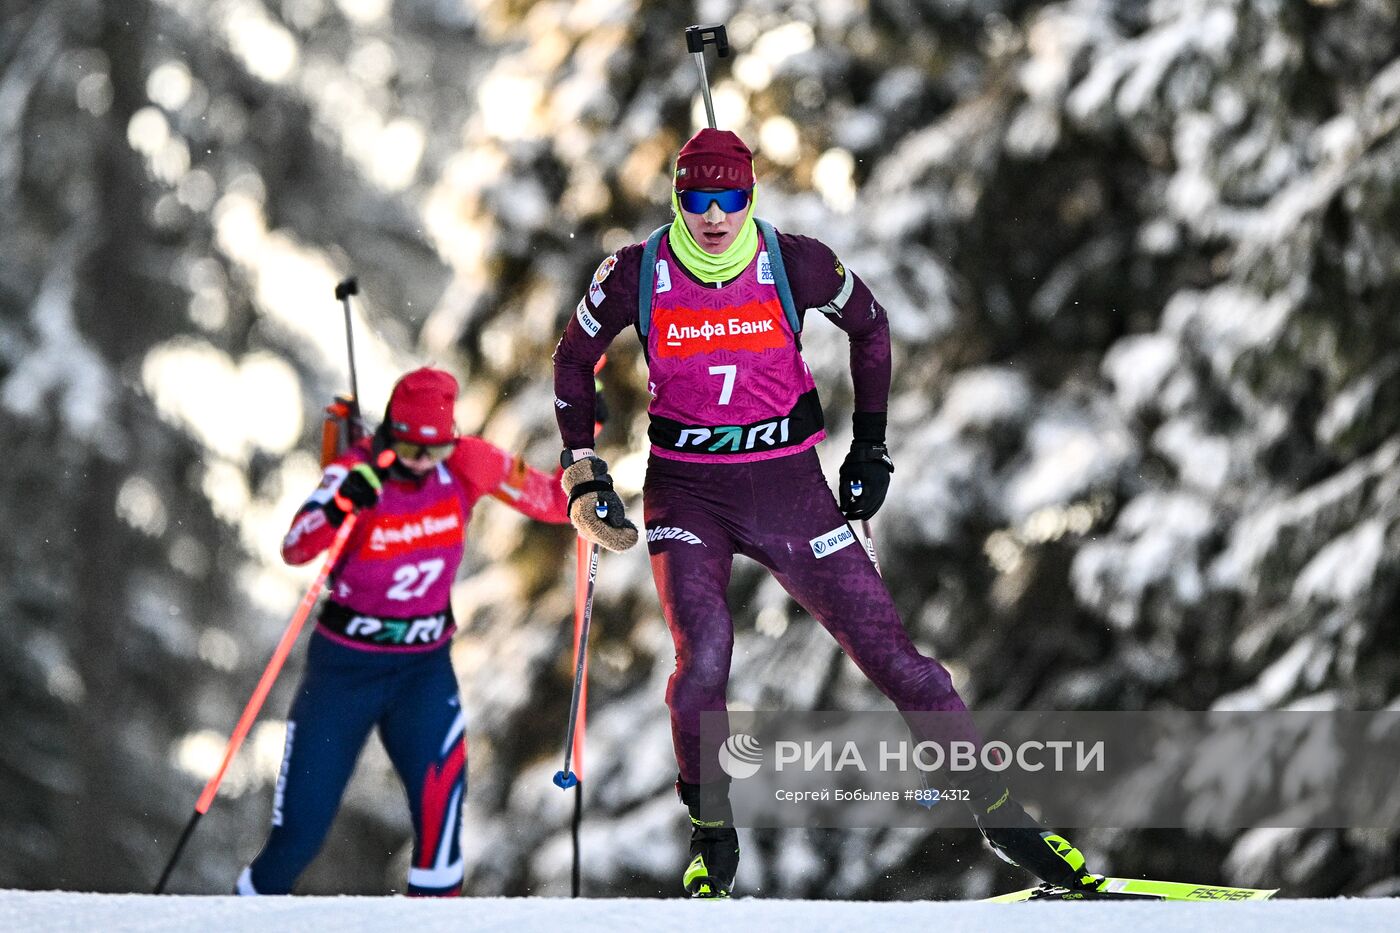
(729, 200)
(407, 450)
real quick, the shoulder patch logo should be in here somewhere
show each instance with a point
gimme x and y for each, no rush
(588, 322)
(605, 269)
(765, 269)
(840, 269)
(663, 276)
(595, 288)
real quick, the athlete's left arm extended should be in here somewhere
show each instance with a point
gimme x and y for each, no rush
(821, 283)
(487, 470)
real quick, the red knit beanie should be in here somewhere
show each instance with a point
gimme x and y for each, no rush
(420, 407)
(714, 159)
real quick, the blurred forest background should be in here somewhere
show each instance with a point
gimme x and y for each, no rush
(1142, 265)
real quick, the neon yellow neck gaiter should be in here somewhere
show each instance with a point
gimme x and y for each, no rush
(706, 267)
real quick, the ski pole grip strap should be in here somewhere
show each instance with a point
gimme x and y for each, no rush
(587, 486)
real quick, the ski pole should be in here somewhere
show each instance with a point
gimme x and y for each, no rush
(583, 608)
(255, 702)
(586, 562)
(269, 675)
(581, 605)
(576, 876)
(583, 612)
(869, 543)
(567, 778)
(343, 291)
(696, 38)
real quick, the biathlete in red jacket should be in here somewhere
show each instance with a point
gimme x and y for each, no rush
(379, 656)
(734, 419)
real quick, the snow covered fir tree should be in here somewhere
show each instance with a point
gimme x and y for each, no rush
(1141, 260)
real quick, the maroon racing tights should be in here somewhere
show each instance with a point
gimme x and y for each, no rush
(782, 514)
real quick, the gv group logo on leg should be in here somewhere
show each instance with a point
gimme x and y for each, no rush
(741, 756)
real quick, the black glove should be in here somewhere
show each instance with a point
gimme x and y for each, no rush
(594, 508)
(359, 490)
(865, 473)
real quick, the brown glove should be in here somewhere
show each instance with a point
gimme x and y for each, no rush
(594, 507)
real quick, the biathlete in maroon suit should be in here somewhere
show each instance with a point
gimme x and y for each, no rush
(380, 653)
(734, 419)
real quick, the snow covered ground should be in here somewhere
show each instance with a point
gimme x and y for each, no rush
(58, 911)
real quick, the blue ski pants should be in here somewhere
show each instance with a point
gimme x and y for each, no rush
(412, 698)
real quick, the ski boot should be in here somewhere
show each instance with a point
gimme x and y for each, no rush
(1019, 840)
(714, 843)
